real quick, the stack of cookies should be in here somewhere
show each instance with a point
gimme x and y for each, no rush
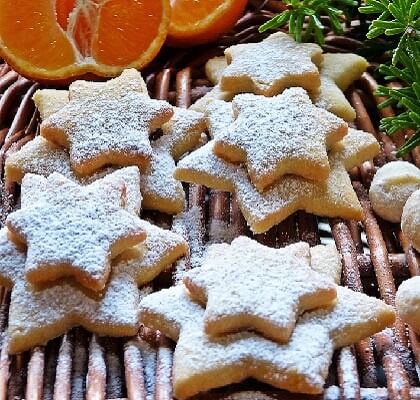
(281, 144)
(76, 255)
(95, 127)
(77, 251)
(251, 311)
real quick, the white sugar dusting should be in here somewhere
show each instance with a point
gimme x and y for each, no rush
(224, 279)
(351, 381)
(334, 198)
(271, 65)
(93, 218)
(103, 124)
(279, 135)
(308, 353)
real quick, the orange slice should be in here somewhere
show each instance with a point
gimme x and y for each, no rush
(59, 39)
(202, 21)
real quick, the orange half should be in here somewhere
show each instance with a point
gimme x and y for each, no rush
(59, 39)
(202, 21)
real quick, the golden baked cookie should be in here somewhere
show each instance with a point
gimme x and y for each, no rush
(214, 69)
(108, 126)
(40, 313)
(274, 136)
(269, 67)
(202, 362)
(338, 71)
(333, 198)
(286, 288)
(73, 230)
(161, 191)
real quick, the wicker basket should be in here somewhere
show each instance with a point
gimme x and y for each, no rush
(376, 257)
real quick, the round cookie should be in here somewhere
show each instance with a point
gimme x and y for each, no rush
(407, 302)
(410, 221)
(392, 185)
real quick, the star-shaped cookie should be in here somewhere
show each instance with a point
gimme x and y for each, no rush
(147, 260)
(285, 134)
(202, 362)
(40, 313)
(338, 72)
(223, 285)
(332, 198)
(161, 191)
(74, 230)
(49, 101)
(108, 126)
(267, 68)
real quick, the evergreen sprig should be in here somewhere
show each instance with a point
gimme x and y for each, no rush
(304, 18)
(401, 19)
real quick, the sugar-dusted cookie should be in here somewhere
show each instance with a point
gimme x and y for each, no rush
(267, 68)
(214, 94)
(38, 156)
(38, 314)
(333, 198)
(214, 69)
(391, 186)
(223, 285)
(410, 220)
(130, 80)
(49, 101)
(407, 301)
(338, 72)
(147, 260)
(75, 230)
(326, 260)
(274, 136)
(41, 157)
(109, 126)
(161, 191)
(202, 362)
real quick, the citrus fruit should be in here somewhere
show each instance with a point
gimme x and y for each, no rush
(59, 39)
(202, 21)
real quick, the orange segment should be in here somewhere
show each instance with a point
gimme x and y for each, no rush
(27, 32)
(202, 21)
(61, 39)
(122, 19)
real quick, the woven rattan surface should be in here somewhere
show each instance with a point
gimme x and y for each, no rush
(375, 255)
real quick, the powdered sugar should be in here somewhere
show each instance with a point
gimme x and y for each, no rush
(146, 261)
(391, 187)
(37, 316)
(333, 198)
(114, 128)
(280, 135)
(190, 224)
(223, 283)
(38, 156)
(301, 365)
(93, 220)
(160, 189)
(270, 66)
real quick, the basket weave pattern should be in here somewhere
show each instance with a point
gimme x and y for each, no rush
(376, 257)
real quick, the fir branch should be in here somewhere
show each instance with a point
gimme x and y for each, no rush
(304, 18)
(401, 19)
